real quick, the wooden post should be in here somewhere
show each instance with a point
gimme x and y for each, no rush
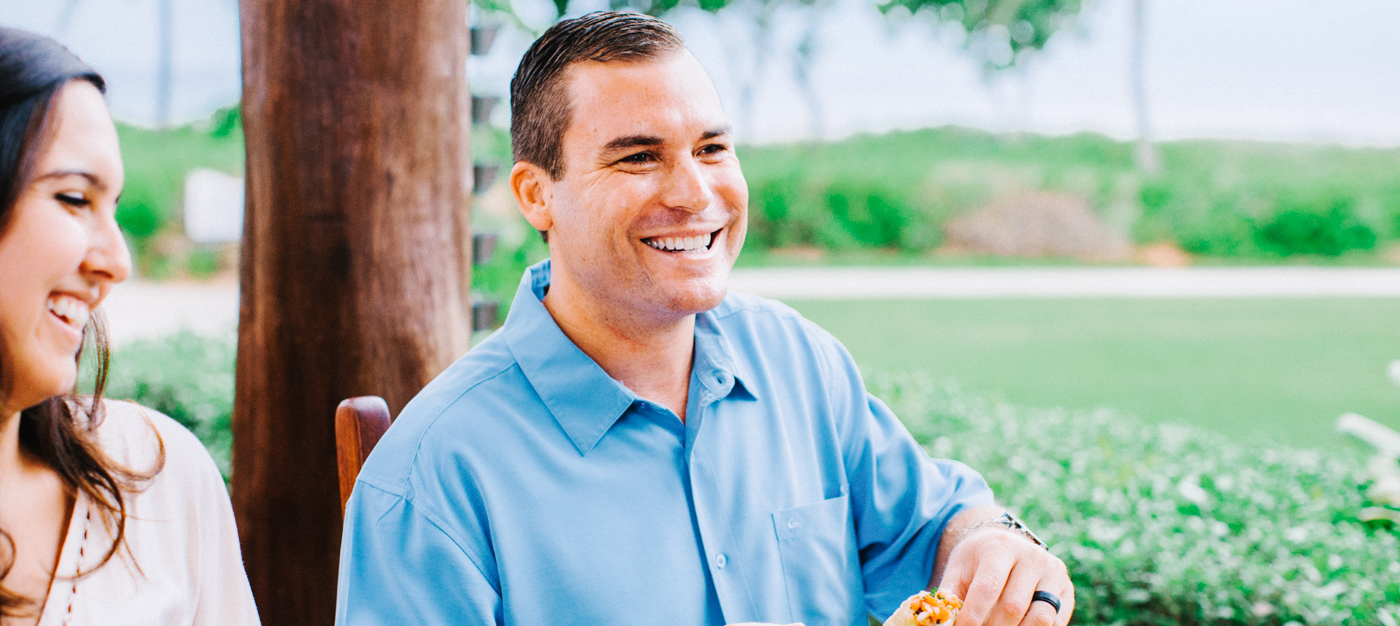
(356, 258)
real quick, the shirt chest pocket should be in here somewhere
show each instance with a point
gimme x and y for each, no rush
(821, 566)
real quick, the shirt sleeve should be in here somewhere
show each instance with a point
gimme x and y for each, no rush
(225, 598)
(900, 498)
(397, 566)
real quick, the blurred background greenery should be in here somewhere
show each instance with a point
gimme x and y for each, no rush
(1162, 521)
(1194, 477)
(888, 198)
(1280, 366)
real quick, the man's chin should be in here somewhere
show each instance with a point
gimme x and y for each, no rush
(699, 296)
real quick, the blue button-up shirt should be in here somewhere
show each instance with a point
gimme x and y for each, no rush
(526, 486)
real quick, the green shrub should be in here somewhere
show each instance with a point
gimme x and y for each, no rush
(156, 163)
(226, 122)
(204, 262)
(498, 278)
(1326, 226)
(1158, 524)
(1228, 200)
(138, 213)
(1171, 524)
(872, 216)
(186, 376)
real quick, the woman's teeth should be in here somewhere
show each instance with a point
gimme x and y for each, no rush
(73, 311)
(680, 244)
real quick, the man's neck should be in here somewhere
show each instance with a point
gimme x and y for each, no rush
(650, 357)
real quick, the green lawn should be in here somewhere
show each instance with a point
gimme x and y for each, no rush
(1283, 367)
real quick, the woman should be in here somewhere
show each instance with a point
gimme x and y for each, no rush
(109, 513)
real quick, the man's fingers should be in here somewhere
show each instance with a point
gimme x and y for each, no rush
(984, 589)
(957, 574)
(1040, 614)
(1066, 607)
(1043, 613)
(1015, 606)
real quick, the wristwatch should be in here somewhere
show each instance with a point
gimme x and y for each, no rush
(1009, 522)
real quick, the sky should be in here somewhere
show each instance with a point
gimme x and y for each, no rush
(1275, 70)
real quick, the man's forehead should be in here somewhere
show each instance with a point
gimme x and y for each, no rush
(644, 97)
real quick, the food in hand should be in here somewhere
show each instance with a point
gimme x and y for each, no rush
(926, 609)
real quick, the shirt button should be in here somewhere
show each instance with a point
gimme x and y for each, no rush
(720, 561)
(793, 523)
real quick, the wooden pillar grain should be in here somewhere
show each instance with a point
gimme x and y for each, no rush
(356, 258)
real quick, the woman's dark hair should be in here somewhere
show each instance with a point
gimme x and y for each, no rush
(59, 431)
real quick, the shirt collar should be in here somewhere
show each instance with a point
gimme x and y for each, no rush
(582, 397)
(714, 364)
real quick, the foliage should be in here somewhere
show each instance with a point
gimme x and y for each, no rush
(1000, 32)
(1262, 201)
(1217, 199)
(1171, 524)
(156, 163)
(186, 376)
(498, 278)
(1158, 524)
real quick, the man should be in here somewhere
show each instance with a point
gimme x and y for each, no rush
(637, 446)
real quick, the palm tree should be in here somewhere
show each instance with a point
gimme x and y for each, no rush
(165, 52)
(1146, 153)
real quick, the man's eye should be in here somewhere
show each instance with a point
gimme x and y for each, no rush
(638, 158)
(714, 149)
(73, 200)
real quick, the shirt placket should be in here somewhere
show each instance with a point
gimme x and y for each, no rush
(712, 510)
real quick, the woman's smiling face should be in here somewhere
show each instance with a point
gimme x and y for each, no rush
(62, 249)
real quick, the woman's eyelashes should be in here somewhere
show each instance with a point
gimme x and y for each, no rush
(73, 199)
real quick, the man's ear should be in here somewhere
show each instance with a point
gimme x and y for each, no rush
(534, 193)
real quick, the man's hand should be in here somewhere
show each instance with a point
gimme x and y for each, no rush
(996, 571)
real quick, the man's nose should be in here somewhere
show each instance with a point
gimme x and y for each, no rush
(688, 187)
(108, 258)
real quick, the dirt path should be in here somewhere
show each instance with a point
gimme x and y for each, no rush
(845, 283)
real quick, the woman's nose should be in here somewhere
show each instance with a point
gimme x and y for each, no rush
(108, 258)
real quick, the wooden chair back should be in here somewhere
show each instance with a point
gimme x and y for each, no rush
(359, 423)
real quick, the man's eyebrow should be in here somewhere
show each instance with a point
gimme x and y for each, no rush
(717, 132)
(632, 141)
(650, 141)
(93, 179)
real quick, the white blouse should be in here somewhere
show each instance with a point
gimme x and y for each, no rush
(179, 564)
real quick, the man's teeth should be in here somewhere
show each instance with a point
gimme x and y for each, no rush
(680, 244)
(73, 311)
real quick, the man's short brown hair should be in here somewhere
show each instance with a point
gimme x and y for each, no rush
(539, 103)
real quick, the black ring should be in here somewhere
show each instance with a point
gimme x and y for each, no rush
(1048, 598)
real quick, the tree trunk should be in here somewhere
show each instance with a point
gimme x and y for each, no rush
(165, 60)
(1145, 153)
(804, 58)
(356, 258)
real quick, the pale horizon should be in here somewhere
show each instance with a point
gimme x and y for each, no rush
(1258, 70)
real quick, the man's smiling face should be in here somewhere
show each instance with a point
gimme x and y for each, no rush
(651, 211)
